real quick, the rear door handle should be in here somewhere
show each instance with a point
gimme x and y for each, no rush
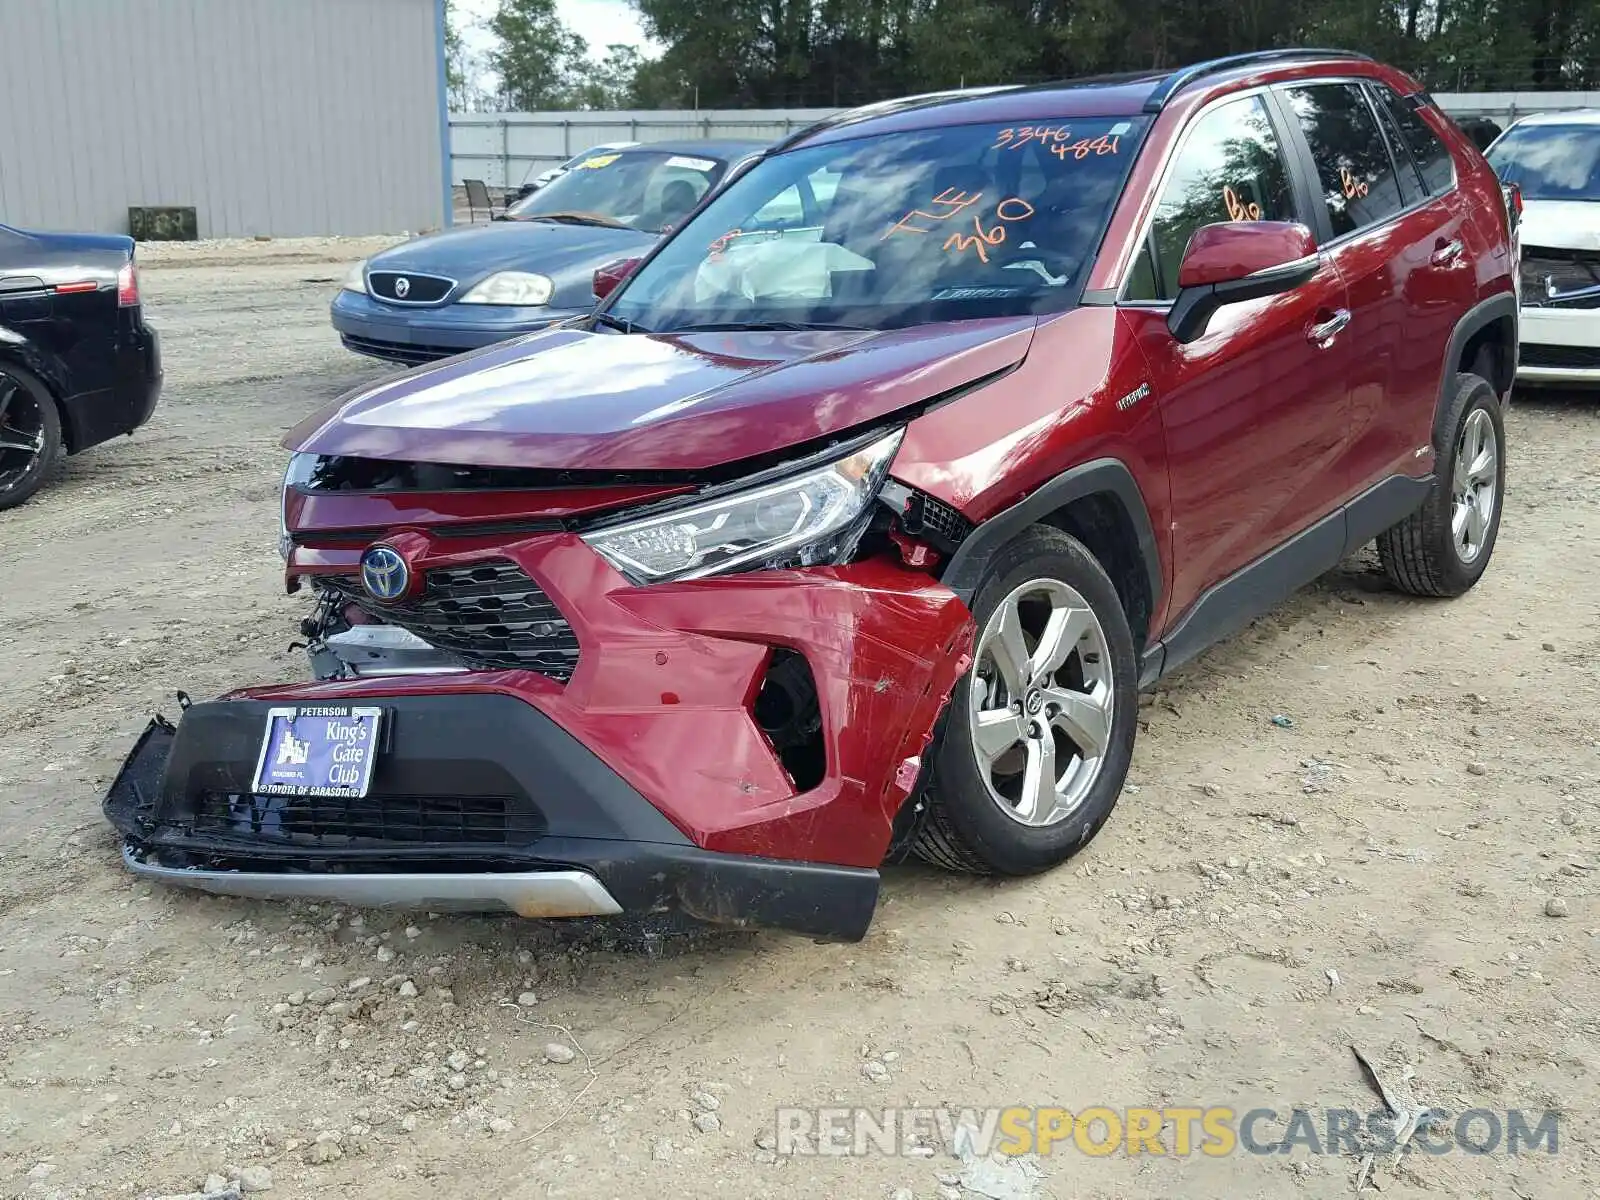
(1323, 333)
(1447, 253)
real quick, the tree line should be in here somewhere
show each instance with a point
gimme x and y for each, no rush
(826, 53)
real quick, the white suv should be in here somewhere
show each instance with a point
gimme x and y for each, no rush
(1554, 158)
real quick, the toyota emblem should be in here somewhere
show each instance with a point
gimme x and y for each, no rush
(402, 287)
(385, 574)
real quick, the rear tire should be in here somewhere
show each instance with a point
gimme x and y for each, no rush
(1443, 548)
(30, 435)
(1052, 696)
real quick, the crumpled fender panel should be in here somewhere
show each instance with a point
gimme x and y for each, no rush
(667, 675)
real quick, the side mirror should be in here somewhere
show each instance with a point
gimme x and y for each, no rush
(609, 276)
(1238, 260)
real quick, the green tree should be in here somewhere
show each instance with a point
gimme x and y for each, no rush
(730, 53)
(456, 85)
(610, 83)
(537, 57)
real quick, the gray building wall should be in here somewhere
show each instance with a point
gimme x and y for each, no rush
(270, 117)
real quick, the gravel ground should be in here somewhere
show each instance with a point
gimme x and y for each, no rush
(1406, 864)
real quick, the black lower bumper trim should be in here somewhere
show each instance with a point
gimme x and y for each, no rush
(642, 862)
(818, 899)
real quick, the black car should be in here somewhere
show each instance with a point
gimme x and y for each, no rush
(78, 365)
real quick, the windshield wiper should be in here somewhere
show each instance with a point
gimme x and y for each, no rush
(580, 218)
(765, 327)
(617, 323)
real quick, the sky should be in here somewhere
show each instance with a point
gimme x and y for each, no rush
(598, 22)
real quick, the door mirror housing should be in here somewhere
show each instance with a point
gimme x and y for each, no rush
(1238, 260)
(609, 276)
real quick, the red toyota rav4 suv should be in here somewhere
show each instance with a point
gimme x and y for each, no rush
(853, 520)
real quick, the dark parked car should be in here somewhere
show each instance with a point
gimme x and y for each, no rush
(78, 365)
(822, 543)
(468, 287)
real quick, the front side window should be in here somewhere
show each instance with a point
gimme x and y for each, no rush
(894, 229)
(638, 189)
(1352, 159)
(1230, 168)
(1550, 162)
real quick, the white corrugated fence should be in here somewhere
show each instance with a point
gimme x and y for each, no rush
(507, 149)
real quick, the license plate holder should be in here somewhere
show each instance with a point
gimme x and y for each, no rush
(326, 750)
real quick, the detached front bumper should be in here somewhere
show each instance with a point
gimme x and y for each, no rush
(647, 781)
(529, 822)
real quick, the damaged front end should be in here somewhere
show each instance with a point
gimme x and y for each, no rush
(592, 696)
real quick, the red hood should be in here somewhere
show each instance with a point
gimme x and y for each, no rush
(570, 399)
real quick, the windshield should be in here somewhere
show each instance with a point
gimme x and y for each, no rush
(1550, 162)
(647, 190)
(895, 229)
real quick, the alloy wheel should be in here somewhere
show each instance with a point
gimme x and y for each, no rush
(1475, 487)
(21, 431)
(1042, 696)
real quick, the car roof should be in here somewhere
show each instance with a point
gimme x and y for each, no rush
(1561, 116)
(728, 149)
(1126, 94)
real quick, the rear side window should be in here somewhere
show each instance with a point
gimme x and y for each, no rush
(1427, 151)
(1354, 168)
(1231, 168)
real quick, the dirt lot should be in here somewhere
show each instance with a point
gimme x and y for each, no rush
(1437, 794)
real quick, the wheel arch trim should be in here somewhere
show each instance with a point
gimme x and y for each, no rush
(966, 568)
(1498, 307)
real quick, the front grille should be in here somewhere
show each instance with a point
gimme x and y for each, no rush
(1560, 278)
(490, 615)
(408, 353)
(419, 289)
(397, 820)
(1569, 357)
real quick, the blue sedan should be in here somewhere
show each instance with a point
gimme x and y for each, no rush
(449, 292)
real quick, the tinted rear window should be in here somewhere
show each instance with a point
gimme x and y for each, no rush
(1352, 158)
(1427, 150)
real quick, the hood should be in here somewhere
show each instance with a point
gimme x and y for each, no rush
(1561, 224)
(569, 399)
(568, 254)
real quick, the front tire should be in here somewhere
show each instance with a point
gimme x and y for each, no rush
(1443, 548)
(1040, 730)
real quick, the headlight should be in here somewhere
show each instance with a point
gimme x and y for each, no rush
(356, 280)
(296, 474)
(803, 519)
(516, 288)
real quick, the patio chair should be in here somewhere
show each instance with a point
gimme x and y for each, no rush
(478, 198)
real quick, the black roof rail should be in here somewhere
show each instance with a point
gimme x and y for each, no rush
(1184, 76)
(880, 108)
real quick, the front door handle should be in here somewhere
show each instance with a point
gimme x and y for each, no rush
(1323, 333)
(1447, 253)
